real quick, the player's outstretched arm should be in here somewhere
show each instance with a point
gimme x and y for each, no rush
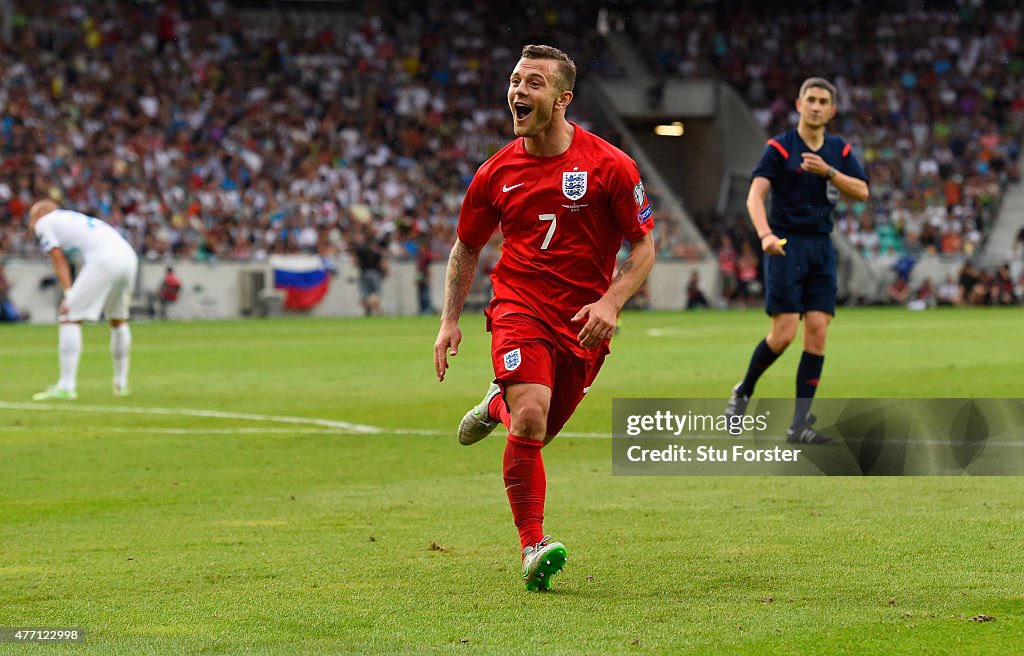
(601, 315)
(462, 265)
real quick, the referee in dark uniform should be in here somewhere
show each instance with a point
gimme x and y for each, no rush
(806, 171)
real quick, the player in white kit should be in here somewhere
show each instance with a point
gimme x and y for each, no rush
(104, 284)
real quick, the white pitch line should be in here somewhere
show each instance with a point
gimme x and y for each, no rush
(254, 430)
(248, 430)
(336, 425)
(676, 331)
(667, 332)
(193, 412)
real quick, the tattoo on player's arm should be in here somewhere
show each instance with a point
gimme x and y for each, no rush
(626, 267)
(634, 270)
(461, 268)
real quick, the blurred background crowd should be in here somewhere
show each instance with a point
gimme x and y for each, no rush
(931, 99)
(206, 130)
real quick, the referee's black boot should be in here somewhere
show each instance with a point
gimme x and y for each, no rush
(803, 433)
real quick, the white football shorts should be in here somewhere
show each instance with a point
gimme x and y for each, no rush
(105, 284)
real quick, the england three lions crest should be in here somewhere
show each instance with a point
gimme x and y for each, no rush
(574, 184)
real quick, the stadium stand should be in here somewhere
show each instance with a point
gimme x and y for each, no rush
(212, 131)
(930, 97)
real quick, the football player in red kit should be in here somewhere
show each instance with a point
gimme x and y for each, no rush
(565, 200)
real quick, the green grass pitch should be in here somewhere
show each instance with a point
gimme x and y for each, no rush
(294, 486)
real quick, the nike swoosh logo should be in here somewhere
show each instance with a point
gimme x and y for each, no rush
(506, 188)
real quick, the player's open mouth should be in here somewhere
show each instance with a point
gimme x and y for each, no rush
(522, 111)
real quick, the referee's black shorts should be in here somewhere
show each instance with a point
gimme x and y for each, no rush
(803, 279)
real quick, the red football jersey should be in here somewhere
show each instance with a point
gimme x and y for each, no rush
(563, 219)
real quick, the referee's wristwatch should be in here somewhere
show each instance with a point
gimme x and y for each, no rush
(831, 172)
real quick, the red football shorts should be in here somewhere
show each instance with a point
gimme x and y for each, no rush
(524, 350)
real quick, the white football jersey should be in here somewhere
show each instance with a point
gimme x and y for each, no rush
(76, 232)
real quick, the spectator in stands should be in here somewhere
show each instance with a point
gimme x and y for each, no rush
(929, 239)
(747, 272)
(170, 287)
(424, 258)
(926, 293)
(727, 268)
(8, 311)
(898, 292)
(369, 258)
(979, 293)
(949, 292)
(1001, 291)
(695, 297)
(971, 291)
(867, 239)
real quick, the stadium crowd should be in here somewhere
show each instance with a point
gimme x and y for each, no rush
(205, 132)
(208, 133)
(972, 286)
(931, 99)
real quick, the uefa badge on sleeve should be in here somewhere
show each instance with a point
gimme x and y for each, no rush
(644, 210)
(638, 193)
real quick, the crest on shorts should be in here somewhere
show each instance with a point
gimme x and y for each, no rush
(512, 360)
(574, 184)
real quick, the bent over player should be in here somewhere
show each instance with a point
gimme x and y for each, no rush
(565, 201)
(806, 171)
(104, 284)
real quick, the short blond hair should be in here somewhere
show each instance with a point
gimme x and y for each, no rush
(41, 208)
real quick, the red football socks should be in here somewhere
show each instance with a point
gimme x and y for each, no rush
(498, 410)
(526, 486)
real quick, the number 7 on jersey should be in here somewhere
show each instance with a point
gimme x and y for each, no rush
(551, 230)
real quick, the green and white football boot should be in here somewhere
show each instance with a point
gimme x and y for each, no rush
(541, 562)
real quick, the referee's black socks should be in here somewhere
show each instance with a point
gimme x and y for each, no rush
(807, 375)
(762, 359)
